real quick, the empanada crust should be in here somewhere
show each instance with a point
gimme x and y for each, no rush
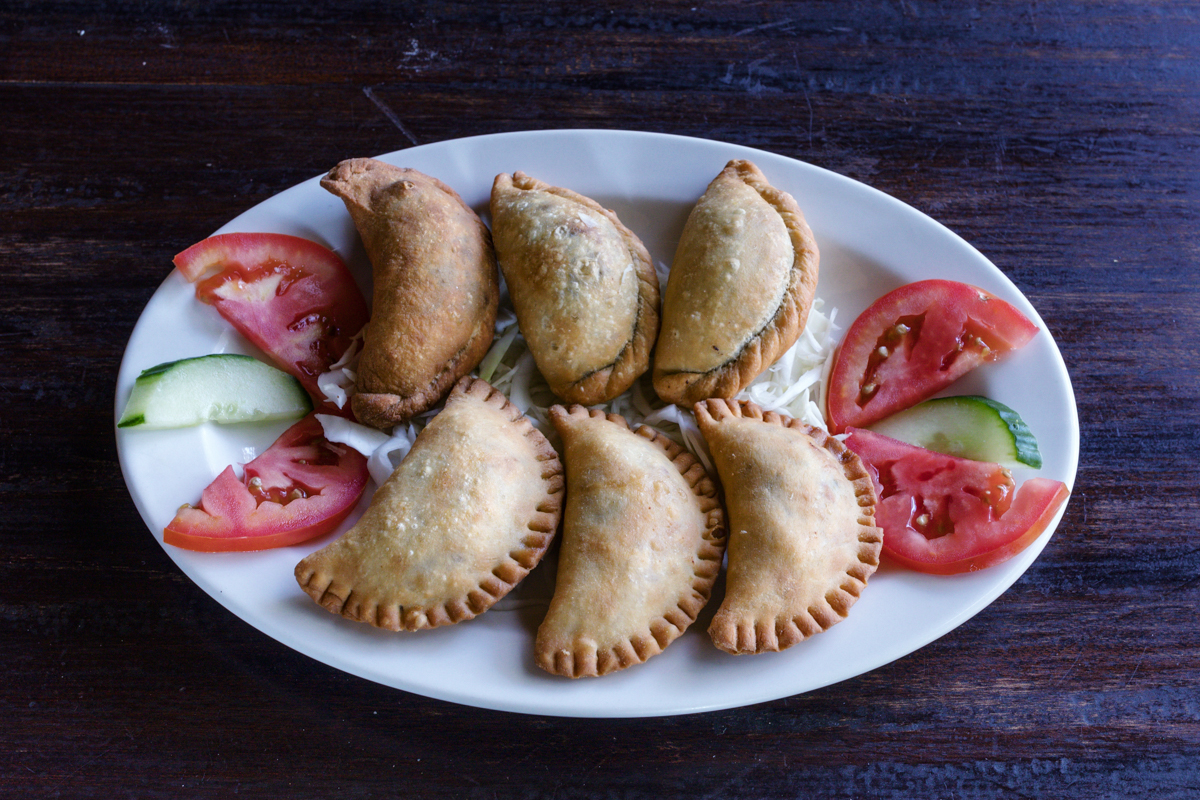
(471, 509)
(582, 284)
(436, 287)
(740, 288)
(803, 540)
(643, 538)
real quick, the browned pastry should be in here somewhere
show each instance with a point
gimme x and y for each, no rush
(739, 291)
(802, 538)
(582, 284)
(436, 289)
(643, 538)
(466, 515)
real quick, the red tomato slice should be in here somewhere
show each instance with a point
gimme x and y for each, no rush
(293, 298)
(914, 342)
(301, 487)
(946, 515)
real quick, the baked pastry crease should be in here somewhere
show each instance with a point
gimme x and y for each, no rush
(740, 288)
(582, 284)
(803, 540)
(471, 509)
(643, 538)
(436, 288)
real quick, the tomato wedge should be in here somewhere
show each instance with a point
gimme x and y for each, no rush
(945, 515)
(914, 342)
(301, 487)
(293, 298)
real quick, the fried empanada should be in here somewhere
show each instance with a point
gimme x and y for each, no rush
(466, 515)
(582, 284)
(643, 538)
(803, 539)
(739, 291)
(436, 288)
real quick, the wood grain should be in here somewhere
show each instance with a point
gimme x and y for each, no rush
(1059, 138)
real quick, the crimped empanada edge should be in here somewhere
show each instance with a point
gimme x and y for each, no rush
(740, 636)
(610, 380)
(503, 578)
(786, 324)
(590, 661)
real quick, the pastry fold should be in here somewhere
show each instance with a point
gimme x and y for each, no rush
(582, 284)
(643, 538)
(471, 509)
(436, 288)
(739, 291)
(803, 540)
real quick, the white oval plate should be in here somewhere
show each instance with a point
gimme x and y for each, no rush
(870, 243)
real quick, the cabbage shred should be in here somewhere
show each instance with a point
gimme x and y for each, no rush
(794, 385)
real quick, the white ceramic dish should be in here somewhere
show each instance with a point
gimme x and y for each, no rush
(870, 243)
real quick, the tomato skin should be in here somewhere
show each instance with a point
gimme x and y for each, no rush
(983, 519)
(294, 299)
(947, 329)
(255, 514)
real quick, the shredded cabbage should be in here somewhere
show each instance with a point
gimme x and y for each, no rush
(338, 383)
(487, 367)
(793, 385)
(363, 439)
(384, 459)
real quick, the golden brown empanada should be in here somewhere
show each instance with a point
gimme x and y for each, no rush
(466, 515)
(582, 284)
(436, 289)
(739, 290)
(802, 538)
(643, 537)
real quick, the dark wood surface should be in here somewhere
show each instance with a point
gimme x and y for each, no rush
(1060, 138)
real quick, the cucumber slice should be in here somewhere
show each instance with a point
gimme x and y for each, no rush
(217, 388)
(969, 427)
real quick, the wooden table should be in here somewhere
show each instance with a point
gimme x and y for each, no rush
(1059, 138)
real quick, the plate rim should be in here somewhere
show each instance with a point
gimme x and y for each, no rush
(701, 706)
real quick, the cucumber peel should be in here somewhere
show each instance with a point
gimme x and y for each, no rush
(968, 427)
(223, 388)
